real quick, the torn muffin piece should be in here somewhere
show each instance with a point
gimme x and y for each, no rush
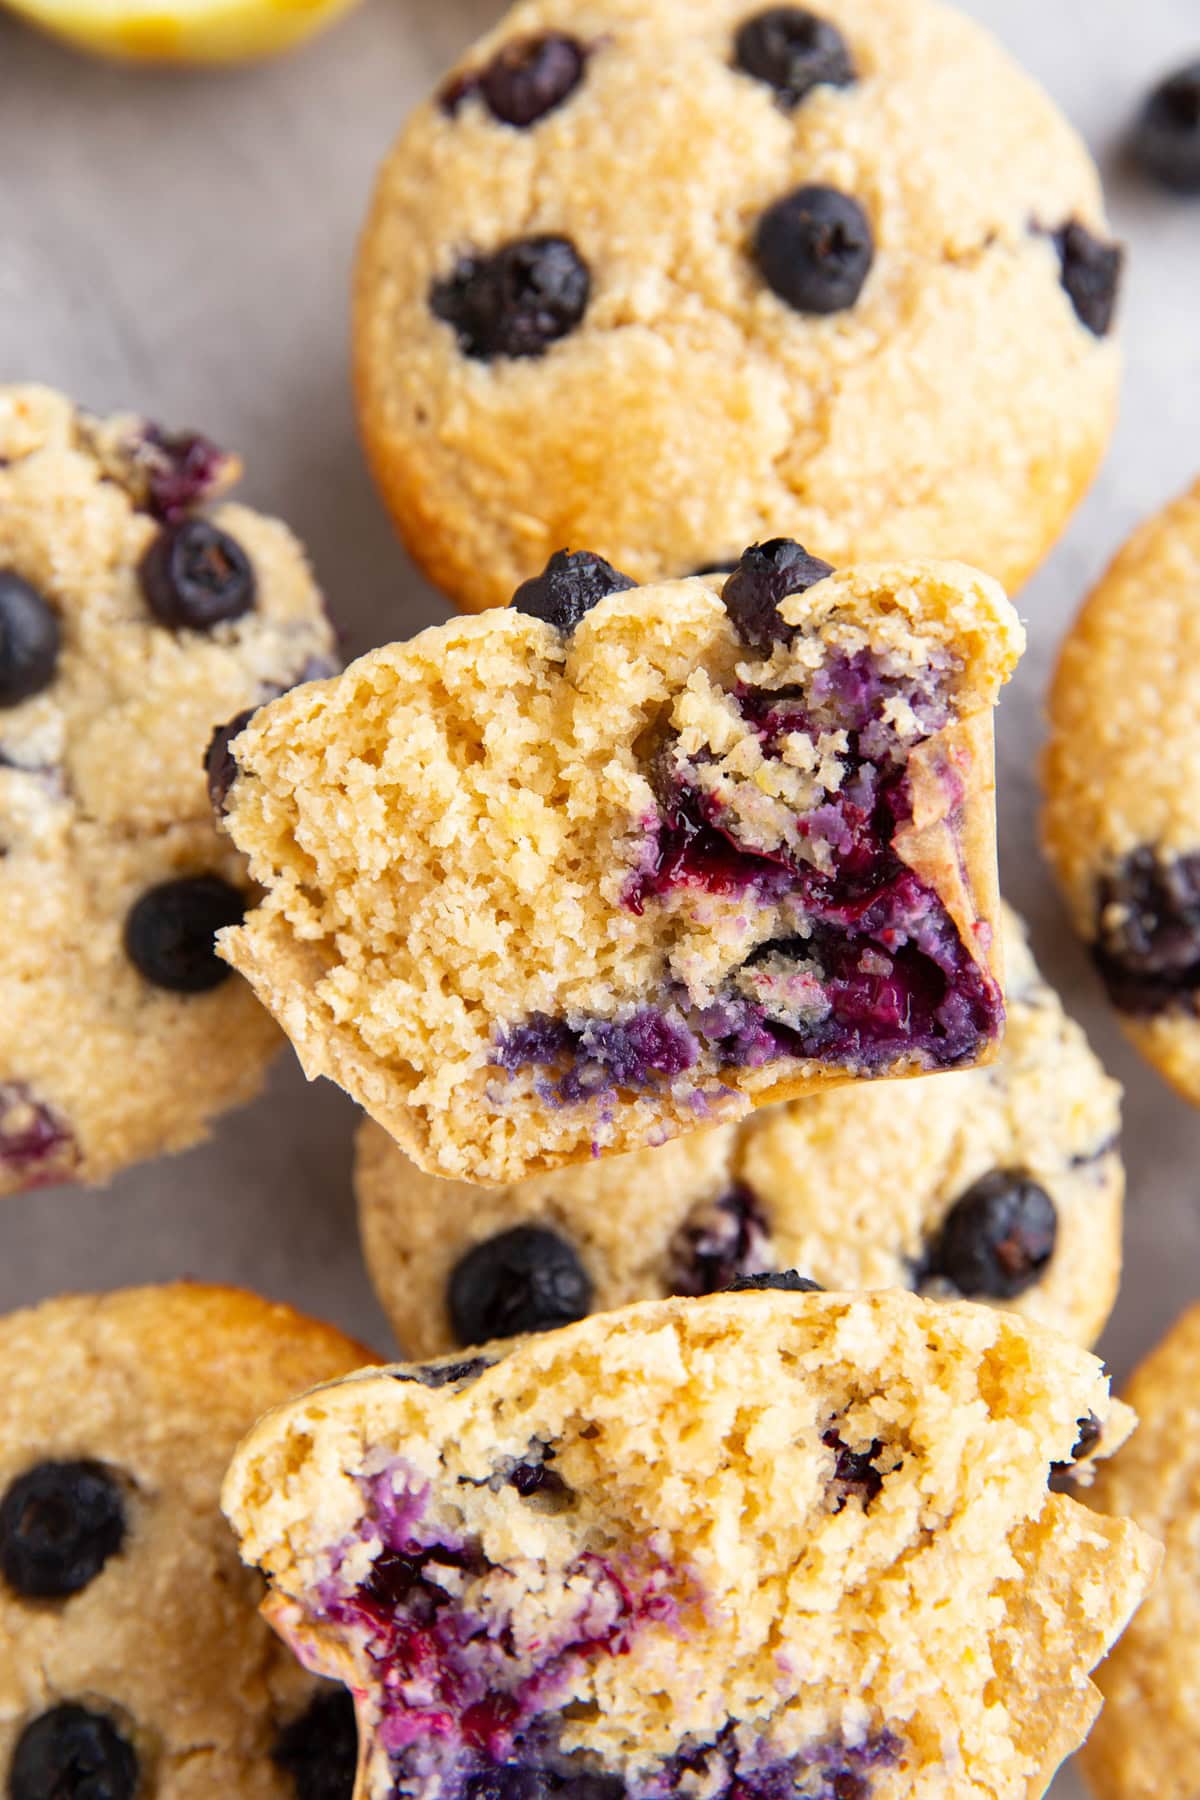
(759, 1543)
(582, 875)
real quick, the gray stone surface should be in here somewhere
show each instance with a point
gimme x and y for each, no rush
(181, 243)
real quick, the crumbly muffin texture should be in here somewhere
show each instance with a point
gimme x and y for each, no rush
(759, 1543)
(1122, 786)
(131, 1648)
(1002, 1183)
(133, 620)
(1144, 1746)
(536, 891)
(662, 277)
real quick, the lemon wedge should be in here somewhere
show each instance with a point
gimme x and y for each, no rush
(182, 31)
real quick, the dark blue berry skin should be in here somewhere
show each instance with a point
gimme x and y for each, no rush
(1147, 945)
(718, 1242)
(998, 1238)
(319, 1750)
(572, 582)
(1091, 274)
(526, 1279)
(815, 248)
(60, 1522)
(220, 766)
(440, 1375)
(169, 932)
(786, 1281)
(1166, 139)
(793, 51)
(767, 574)
(195, 577)
(70, 1753)
(517, 302)
(29, 641)
(525, 81)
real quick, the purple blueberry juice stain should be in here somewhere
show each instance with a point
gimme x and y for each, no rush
(728, 1770)
(34, 1142)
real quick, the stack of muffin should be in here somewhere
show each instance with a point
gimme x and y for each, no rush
(752, 1194)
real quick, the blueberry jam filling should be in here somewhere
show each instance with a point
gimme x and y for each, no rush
(572, 582)
(997, 1238)
(793, 51)
(518, 301)
(33, 1141)
(526, 80)
(1166, 139)
(60, 1523)
(463, 1690)
(526, 1279)
(862, 964)
(814, 249)
(1148, 934)
(170, 932)
(29, 640)
(319, 1750)
(72, 1753)
(719, 1241)
(767, 574)
(195, 577)
(1091, 274)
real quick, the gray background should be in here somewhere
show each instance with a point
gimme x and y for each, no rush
(181, 243)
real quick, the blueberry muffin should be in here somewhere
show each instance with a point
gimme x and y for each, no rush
(133, 1661)
(1002, 1183)
(133, 620)
(661, 277)
(756, 1544)
(1146, 1745)
(584, 874)
(1122, 782)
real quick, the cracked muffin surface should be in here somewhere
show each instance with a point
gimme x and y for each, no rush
(1001, 1183)
(582, 875)
(757, 1543)
(135, 617)
(852, 283)
(133, 1659)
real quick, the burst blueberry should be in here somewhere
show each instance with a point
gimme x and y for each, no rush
(526, 1279)
(719, 1241)
(1091, 274)
(169, 932)
(815, 248)
(60, 1523)
(1166, 138)
(195, 577)
(518, 301)
(767, 574)
(793, 51)
(998, 1238)
(572, 582)
(29, 640)
(530, 77)
(784, 1281)
(220, 764)
(1148, 933)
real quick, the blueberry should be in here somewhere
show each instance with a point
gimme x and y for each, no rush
(195, 576)
(718, 1241)
(439, 1375)
(526, 1279)
(59, 1524)
(767, 574)
(29, 640)
(70, 1753)
(181, 469)
(169, 932)
(517, 302)
(220, 765)
(531, 77)
(319, 1750)
(854, 1471)
(793, 51)
(1091, 275)
(1166, 139)
(815, 249)
(997, 1238)
(1148, 933)
(786, 1280)
(572, 582)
